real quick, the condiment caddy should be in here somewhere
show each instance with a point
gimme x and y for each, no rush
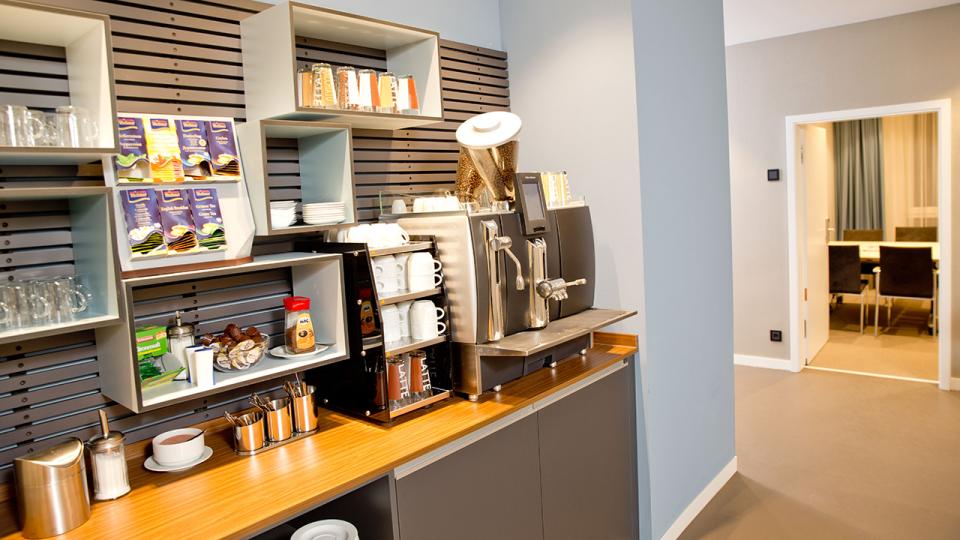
(275, 422)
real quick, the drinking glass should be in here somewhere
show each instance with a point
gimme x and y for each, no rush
(74, 127)
(68, 299)
(20, 127)
(24, 307)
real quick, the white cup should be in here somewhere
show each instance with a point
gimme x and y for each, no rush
(403, 308)
(359, 234)
(398, 207)
(177, 453)
(392, 326)
(425, 320)
(422, 204)
(423, 282)
(423, 272)
(401, 259)
(386, 265)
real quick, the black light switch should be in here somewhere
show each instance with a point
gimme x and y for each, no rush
(773, 175)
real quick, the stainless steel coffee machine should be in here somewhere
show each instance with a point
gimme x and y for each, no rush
(510, 264)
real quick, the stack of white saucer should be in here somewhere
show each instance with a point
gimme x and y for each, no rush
(283, 213)
(325, 213)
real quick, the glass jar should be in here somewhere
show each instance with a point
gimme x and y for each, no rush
(108, 465)
(298, 334)
(179, 337)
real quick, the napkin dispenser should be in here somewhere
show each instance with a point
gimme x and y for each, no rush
(52, 495)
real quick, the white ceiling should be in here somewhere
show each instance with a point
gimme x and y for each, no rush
(752, 20)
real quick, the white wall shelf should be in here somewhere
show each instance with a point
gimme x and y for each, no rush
(326, 168)
(317, 276)
(270, 63)
(91, 220)
(85, 37)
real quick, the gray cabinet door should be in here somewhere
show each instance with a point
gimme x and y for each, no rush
(588, 462)
(489, 489)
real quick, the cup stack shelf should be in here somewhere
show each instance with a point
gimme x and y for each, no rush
(342, 386)
(271, 40)
(83, 39)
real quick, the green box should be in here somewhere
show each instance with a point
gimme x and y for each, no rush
(151, 341)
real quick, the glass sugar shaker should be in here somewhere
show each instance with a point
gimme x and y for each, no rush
(108, 463)
(179, 337)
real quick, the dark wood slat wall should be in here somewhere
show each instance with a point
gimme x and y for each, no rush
(183, 57)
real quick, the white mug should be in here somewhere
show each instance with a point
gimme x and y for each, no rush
(384, 235)
(425, 320)
(392, 327)
(359, 234)
(401, 259)
(386, 265)
(423, 272)
(388, 284)
(403, 308)
(398, 207)
(423, 282)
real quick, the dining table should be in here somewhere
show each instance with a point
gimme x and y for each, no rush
(870, 250)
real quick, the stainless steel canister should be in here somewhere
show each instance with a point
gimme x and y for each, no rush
(52, 491)
(305, 411)
(248, 437)
(279, 423)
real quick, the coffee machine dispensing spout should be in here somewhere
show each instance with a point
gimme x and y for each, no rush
(495, 243)
(504, 243)
(556, 289)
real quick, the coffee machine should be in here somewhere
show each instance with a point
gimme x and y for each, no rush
(511, 265)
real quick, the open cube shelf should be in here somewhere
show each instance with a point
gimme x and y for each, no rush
(84, 39)
(52, 233)
(309, 162)
(247, 295)
(270, 58)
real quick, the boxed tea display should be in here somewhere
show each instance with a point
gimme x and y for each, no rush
(132, 163)
(163, 147)
(194, 150)
(142, 215)
(223, 148)
(179, 231)
(207, 219)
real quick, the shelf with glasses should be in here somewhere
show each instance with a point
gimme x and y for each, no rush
(270, 42)
(406, 248)
(246, 295)
(406, 345)
(83, 40)
(73, 242)
(403, 296)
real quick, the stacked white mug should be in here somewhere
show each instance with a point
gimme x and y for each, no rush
(386, 273)
(425, 320)
(423, 272)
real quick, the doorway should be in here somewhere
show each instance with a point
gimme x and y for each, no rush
(812, 227)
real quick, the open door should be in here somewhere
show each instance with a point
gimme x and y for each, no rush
(816, 172)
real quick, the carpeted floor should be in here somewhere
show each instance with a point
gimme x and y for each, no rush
(904, 349)
(835, 456)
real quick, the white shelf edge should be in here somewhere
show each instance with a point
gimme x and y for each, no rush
(408, 345)
(262, 262)
(239, 379)
(34, 332)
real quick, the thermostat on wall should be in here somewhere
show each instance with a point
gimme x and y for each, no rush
(773, 175)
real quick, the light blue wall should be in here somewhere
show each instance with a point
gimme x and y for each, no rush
(476, 22)
(629, 97)
(685, 194)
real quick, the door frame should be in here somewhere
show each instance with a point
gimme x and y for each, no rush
(796, 209)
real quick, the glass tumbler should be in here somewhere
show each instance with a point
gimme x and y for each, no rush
(74, 128)
(348, 89)
(21, 128)
(69, 299)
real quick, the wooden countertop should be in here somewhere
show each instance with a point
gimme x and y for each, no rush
(232, 496)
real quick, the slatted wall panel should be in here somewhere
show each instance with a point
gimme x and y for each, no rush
(183, 57)
(35, 240)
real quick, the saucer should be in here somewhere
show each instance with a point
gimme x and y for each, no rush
(281, 352)
(151, 465)
(328, 529)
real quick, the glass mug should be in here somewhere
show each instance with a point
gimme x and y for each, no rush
(19, 126)
(73, 127)
(21, 307)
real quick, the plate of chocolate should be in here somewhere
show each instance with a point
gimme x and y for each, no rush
(236, 349)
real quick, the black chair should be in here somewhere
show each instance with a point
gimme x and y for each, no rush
(916, 234)
(844, 264)
(863, 235)
(906, 273)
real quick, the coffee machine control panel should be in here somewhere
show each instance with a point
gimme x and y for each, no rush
(531, 204)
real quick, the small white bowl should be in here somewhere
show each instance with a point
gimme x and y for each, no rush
(177, 453)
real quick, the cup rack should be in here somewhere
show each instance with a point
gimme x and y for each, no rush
(359, 386)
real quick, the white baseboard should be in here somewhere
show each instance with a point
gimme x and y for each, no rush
(762, 362)
(700, 501)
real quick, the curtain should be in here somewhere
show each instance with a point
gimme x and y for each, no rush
(910, 170)
(858, 152)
